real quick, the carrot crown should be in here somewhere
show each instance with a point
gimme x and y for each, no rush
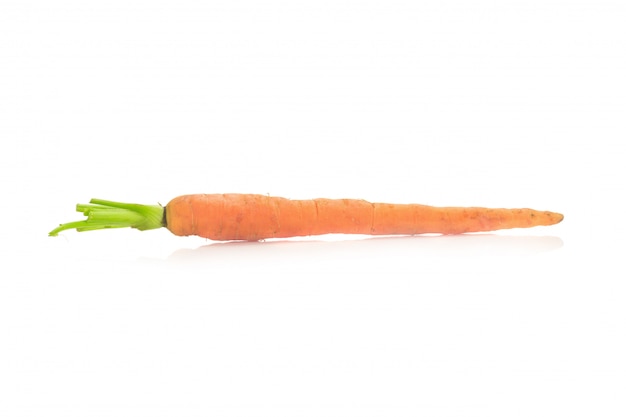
(103, 214)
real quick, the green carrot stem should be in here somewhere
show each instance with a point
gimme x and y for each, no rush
(104, 214)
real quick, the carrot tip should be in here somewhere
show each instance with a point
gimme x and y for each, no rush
(103, 214)
(553, 218)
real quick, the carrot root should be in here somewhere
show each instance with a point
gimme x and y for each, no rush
(254, 217)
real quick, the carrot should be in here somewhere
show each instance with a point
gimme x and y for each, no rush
(254, 217)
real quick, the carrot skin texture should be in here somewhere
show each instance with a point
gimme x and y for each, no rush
(254, 217)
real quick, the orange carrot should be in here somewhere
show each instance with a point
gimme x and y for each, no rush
(254, 217)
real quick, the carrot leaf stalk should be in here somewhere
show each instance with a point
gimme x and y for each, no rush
(103, 214)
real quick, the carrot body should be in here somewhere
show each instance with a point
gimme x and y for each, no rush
(253, 217)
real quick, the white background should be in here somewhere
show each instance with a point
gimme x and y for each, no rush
(491, 103)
